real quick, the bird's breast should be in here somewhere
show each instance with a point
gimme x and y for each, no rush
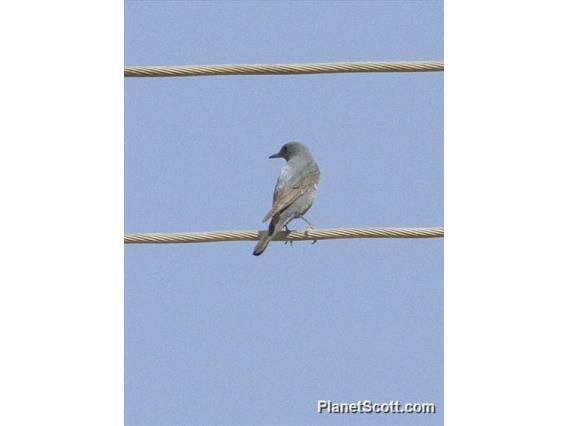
(286, 173)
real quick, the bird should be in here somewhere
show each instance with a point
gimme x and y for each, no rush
(294, 192)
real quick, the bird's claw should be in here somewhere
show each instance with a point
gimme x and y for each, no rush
(287, 232)
(307, 234)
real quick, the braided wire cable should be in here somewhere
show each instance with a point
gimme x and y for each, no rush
(308, 234)
(266, 69)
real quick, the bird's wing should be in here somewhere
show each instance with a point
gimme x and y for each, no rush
(286, 195)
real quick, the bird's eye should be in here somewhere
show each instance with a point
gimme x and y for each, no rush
(285, 148)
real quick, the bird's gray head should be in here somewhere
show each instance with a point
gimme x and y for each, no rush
(292, 150)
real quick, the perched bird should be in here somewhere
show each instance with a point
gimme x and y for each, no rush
(294, 193)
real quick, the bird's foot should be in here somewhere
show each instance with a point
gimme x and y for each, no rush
(310, 226)
(307, 234)
(287, 232)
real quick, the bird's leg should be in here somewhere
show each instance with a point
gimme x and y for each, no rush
(310, 226)
(287, 231)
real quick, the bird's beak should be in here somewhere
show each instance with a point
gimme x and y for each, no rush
(277, 155)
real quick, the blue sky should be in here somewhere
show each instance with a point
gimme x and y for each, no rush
(215, 335)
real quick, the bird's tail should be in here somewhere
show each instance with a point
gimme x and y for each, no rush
(267, 237)
(262, 244)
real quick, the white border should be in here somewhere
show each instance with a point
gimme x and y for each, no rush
(506, 209)
(61, 307)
